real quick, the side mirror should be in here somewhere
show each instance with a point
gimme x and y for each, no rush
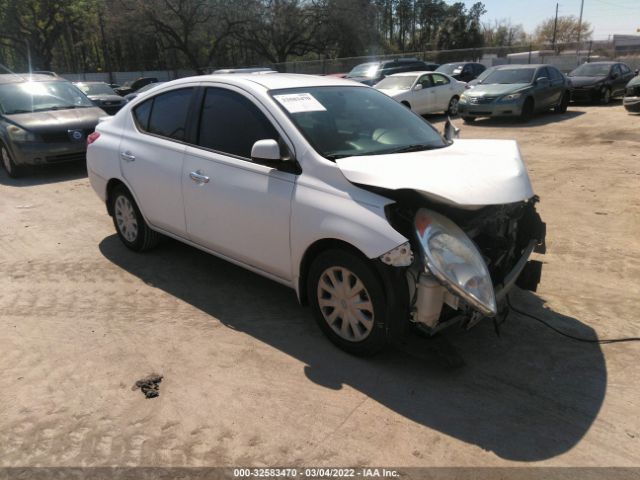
(418, 87)
(266, 151)
(544, 81)
(450, 130)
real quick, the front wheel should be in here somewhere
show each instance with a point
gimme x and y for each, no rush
(527, 110)
(348, 302)
(606, 96)
(564, 103)
(13, 170)
(129, 222)
(453, 106)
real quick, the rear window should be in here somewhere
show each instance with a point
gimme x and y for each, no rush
(165, 114)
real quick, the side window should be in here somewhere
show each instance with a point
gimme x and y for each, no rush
(141, 114)
(169, 114)
(439, 79)
(624, 69)
(230, 123)
(616, 70)
(543, 72)
(479, 68)
(555, 74)
(425, 81)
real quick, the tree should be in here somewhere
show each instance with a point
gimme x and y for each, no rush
(502, 33)
(566, 31)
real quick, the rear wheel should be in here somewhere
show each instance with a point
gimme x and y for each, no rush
(129, 222)
(564, 103)
(348, 302)
(527, 110)
(13, 170)
(453, 106)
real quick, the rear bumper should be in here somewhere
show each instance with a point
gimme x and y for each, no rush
(38, 153)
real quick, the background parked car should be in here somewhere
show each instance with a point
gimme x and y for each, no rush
(372, 72)
(631, 99)
(43, 120)
(131, 96)
(517, 91)
(599, 81)
(462, 71)
(102, 95)
(424, 92)
(135, 85)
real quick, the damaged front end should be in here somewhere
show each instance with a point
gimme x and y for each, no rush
(460, 264)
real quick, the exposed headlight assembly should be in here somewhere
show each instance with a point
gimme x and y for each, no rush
(20, 134)
(450, 255)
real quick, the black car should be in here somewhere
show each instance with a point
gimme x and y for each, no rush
(102, 95)
(463, 71)
(43, 120)
(372, 72)
(135, 85)
(599, 81)
(631, 99)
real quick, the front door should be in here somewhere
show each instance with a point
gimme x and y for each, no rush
(234, 206)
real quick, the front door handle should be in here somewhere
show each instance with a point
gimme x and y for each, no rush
(198, 177)
(127, 156)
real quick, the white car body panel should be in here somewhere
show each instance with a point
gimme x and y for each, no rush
(469, 173)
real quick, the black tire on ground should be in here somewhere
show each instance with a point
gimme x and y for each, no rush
(564, 103)
(527, 110)
(347, 269)
(13, 170)
(606, 96)
(468, 119)
(452, 110)
(129, 222)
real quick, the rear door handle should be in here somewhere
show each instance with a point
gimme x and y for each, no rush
(127, 156)
(198, 177)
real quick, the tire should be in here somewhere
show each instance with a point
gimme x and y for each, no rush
(527, 110)
(564, 103)
(355, 318)
(468, 119)
(605, 98)
(129, 222)
(406, 104)
(452, 110)
(13, 170)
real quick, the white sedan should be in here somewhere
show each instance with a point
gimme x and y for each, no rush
(329, 187)
(424, 92)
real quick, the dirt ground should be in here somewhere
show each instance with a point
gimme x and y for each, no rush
(250, 380)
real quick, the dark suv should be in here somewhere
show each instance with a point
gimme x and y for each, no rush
(465, 72)
(372, 72)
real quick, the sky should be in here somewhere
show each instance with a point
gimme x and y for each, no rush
(606, 16)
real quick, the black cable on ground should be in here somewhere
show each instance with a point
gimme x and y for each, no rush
(579, 339)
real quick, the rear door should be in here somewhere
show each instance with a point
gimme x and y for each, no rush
(152, 154)
(618, 83)
(234, 206)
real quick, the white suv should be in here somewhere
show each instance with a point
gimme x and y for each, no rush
(327, 186)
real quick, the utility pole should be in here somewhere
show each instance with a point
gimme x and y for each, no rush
(555, 27)
(579, 31)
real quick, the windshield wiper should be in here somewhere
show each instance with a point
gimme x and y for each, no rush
(417, 147)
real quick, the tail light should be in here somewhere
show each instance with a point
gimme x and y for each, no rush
(92, 137)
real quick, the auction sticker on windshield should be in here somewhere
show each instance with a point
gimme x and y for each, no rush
(300, 102)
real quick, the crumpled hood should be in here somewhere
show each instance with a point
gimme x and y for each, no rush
(585, 81)
(468, 173)
(58, 119)
(494, 89)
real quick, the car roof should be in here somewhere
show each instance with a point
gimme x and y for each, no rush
(273, 81)
(25, 77)
(415, 72)
(600, 63)
(521, 65)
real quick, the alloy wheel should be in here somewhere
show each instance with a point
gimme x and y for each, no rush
(126, 218)
(345, 304)
(6, 160)
(453, 106)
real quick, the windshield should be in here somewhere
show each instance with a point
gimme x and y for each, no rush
(401, 82)
(27, 97)
(352, 121)
(364, 70)
(510, 75)
(591, 70)
(450, 68)
(96, 89)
